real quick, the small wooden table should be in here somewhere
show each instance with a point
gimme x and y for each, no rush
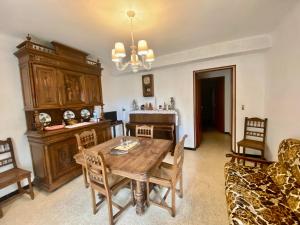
(136, 165)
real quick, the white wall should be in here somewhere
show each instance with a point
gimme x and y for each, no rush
(177, 81)
(283, 83)
(12, 116)
(227, 94)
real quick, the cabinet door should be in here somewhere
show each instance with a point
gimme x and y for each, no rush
(93, 90)
(74, 94)
(103, 134)
(47, 86)
(61, 158)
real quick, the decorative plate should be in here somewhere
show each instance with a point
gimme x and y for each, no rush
(85, 113)
(45, 119)
(69, 115)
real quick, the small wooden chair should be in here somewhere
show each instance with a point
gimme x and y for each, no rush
(105, 184)
(144, 131)
(15, 174)
(254, 135)
(167, 175)
(86, 140)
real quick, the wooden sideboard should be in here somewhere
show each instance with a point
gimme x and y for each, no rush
(55, 79)
(52, 153)
(164, 125)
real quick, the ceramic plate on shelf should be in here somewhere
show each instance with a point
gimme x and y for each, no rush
(69, 115)
(85, 113)
(45, 119)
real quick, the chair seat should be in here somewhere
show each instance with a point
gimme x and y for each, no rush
(114, 179)
(162, 174)
(251, 144)
(12, 176)
(114, 182)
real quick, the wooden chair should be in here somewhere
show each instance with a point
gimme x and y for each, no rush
(144, 131)
(167, 175)
(254, 135)
(105, 184)
(86, 140)
(15, 174)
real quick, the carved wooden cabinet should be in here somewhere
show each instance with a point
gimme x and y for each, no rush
(53, 151)
(54, 80)
(62, 77)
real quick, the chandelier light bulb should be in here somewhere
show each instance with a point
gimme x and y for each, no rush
(150, 56)
(134, 59)
(142, 47)
(114, 57)
(120, 49)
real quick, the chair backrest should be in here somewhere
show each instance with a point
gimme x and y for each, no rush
(7, 149)
(144, 131)
(179, 155)
(96, 170)
(86, 139)
(255, 128)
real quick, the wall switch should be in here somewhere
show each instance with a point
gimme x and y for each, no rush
(243, 107)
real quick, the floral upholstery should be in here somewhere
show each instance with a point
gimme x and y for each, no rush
(268, 195)
(293, 201)
(289, 154)
(282, 177)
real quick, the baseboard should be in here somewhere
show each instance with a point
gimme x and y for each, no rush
(11, 194)
(193, 149)
(227, 133)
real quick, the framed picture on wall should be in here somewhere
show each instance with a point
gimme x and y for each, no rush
(148, 85)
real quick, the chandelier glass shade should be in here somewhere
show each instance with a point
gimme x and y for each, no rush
(141, 56)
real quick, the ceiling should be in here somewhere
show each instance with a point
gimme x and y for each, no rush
(168, 26)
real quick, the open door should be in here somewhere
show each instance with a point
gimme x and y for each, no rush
(198, 112)
(220, 104)
(219, 96)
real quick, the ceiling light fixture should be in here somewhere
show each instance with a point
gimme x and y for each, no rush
(141, 55)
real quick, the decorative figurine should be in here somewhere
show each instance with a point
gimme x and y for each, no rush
(134, 105)
(172, 106)
(165, 106)
(150, 106)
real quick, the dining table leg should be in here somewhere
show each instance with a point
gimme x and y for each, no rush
(140, 198)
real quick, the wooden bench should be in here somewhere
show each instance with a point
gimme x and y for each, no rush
(15, 174)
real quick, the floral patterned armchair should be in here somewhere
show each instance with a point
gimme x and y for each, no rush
(269, 194)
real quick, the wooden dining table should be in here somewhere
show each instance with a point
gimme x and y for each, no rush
(136, 164)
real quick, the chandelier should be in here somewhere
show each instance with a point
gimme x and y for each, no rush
(141, 55)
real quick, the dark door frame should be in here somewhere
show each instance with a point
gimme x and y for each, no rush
(196, 74)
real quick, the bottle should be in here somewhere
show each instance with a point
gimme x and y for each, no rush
(95, 116)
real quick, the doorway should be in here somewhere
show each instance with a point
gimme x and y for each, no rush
(214, 102)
